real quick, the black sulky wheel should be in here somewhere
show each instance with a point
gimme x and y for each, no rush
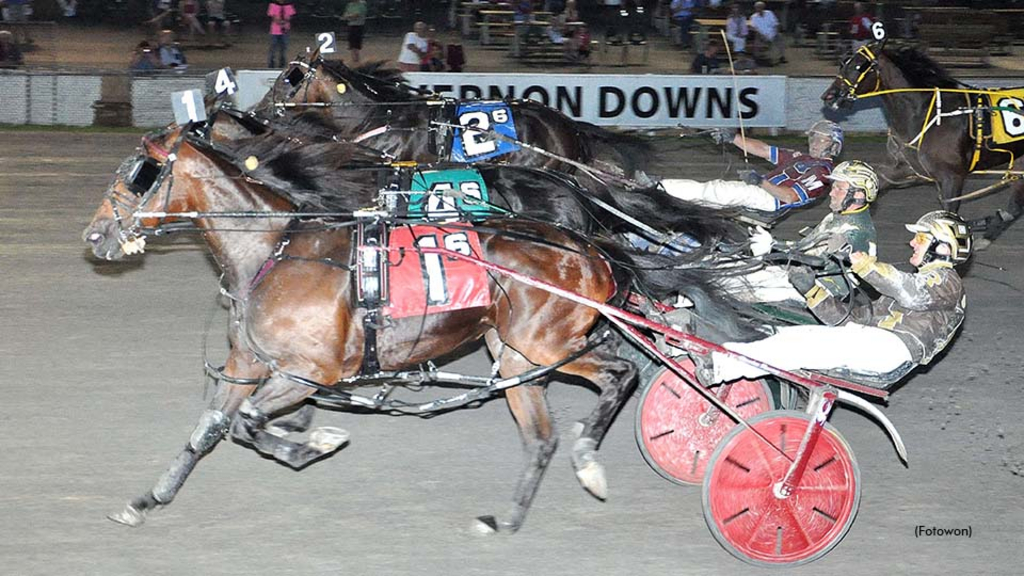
(747, 517)
(674, 431)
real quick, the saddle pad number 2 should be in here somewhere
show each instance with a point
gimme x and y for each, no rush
(473, 142)
(422, 284)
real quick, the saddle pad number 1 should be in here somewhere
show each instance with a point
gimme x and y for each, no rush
(472, 142)
(422, 284)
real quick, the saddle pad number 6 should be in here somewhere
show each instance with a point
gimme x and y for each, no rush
(472, 142)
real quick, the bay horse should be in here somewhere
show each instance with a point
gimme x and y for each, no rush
(295, 326)
(376, 105)
(914, 89)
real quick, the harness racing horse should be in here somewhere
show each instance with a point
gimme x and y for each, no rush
(375, 105)
(295, 323)
(283, 156)
(923, 146)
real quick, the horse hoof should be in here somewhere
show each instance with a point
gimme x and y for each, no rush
(327, 439)
(981, 244)
(130, 516)
(486, 525)
(592, 478)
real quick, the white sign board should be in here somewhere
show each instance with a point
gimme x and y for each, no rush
(612, 100)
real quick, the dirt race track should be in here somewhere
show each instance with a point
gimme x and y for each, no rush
(101, 385)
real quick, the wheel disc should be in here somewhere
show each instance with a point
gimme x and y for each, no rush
(740, 504)
(673, 438)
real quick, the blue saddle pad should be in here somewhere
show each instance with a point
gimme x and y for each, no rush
(474, 145)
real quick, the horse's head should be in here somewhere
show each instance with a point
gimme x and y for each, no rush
(858, 75)
(143, 183)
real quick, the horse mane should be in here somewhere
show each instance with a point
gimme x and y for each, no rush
(375, 80)
(920, 70)
(314, 176)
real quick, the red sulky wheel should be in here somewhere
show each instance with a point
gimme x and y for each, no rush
(746, 517)
(672, 435)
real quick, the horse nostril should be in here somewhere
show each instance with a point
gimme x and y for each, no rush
(95, 238)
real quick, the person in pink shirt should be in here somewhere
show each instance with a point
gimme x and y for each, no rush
(281, 13)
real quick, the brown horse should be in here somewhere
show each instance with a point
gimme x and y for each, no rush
(296, 328)
(376, 105)
(944, 153)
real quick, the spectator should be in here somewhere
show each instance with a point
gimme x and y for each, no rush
(17, 10)
(10, 54)
(571, 12)
(189, 10)
(68, 7)
(767, 37)
(355, 15)
(281, 13)
(455, 57)
(683, 14)
(860, 26)
(143, 58)
(169, 52)
(215, 17)
(523, 10)
(433, 60)
(414, 48)
(161, 10)
(736, 29)
(581, 43)
(706, 62)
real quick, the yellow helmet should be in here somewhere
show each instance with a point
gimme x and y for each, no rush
(860, 176)
(946, 228)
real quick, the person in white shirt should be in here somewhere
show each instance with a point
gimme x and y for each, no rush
(736, 29)
(414, 48)
(766, 28)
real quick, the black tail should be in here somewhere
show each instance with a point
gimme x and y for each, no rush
(720, 317)
(633, 154)
(667, 214)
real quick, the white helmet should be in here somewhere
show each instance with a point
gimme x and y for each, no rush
(861, 178)
(830, 130)
(945, 227)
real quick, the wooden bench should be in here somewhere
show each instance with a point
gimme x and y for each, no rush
(958, 45)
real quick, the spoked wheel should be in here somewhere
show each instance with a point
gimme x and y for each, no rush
(672, 427)
(754, 525)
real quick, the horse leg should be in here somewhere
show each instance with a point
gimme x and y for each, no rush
(529, 407)
(296, 421)
(614, 377)
(994, 225)
(250, 427)
(212, 426)
(898, 175)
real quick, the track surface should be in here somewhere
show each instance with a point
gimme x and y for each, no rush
(101, 384)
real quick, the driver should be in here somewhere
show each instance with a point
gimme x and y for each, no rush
(914, 319)
(847, 227)
(797, 179)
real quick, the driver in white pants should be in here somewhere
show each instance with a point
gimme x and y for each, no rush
(796, 180)
(915, 318)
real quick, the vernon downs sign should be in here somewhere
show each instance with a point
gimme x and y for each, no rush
(613, 100)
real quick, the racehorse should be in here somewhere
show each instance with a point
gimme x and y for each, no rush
(914, 91)
(374, 104)
(296, 328)
(302, 153)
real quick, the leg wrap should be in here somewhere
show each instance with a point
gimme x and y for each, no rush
(213, 424)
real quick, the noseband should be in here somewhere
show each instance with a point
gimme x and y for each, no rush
(143, 175)
(872, 64)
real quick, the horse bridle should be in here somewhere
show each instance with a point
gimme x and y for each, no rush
(871, 60)
(143, 175)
